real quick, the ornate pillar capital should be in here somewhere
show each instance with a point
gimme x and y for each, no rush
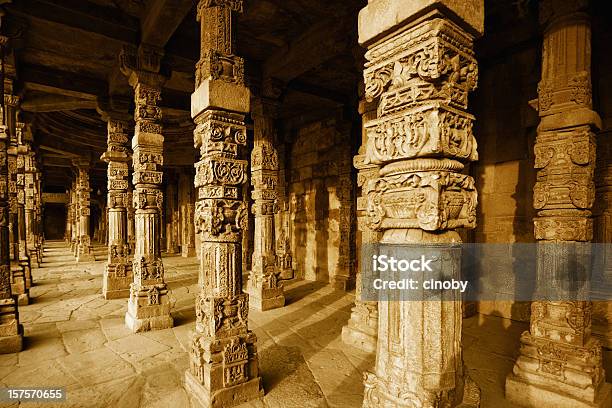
(555, 11)
(143, 65)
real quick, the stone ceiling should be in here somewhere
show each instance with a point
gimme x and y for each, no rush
(66, 57)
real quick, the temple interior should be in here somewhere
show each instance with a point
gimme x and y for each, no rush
(186, 188)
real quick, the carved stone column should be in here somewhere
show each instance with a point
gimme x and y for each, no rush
(602, 233)
(84, 250)
(30, 204)
(344, 278)
(561, 362)
(361, 330)
(131, 227)
(19, 286)
(265, 288)
(74, 239)
(223, 368)
(284, 254)
(422, 71)
(149, 304)
(118, 271)
(22, 153)
(172, 219)
(68, 230)
(38, 210)
(11, 338)
(185, 189)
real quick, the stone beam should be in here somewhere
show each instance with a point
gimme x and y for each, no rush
(53, 145)
(82, 15)
(54, 103)
(319, 92)
(162, 18)
(61, 82)
(318, 44)
(57, 162)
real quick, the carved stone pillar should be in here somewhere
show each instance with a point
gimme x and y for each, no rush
(74, 239)
(30, 204)
(118, 271)
(84, 250)
(361, 329)
(422, 71)
(264, 287)
(149, 303)
(223, 368)
(172, 218)
(131, 227)
(602, 233)
(11, 338)
(284, 255)
(22, 154)
(19, 286)
(186, 218)
(68, 230)
(38, 209)
(344, 278)
(560, 364)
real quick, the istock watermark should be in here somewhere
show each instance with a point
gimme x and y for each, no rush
(486, 272)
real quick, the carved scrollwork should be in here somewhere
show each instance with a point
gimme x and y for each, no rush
(221, 217)
(419, 134)
(433, 200)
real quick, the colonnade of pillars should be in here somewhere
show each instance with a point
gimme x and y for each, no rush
(20, 210)
(417, 139)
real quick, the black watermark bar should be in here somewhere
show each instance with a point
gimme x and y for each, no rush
(560, 271)
(32, 394)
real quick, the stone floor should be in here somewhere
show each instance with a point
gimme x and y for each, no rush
(75, 338)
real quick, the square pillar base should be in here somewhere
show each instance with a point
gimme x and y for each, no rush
(144, 313)
(188, 252)
(27, 271)
(116, 294)
(225, 397)
(19, 287)
(23, 299)
(11, 344)
(116, 281)
(266, 299)
(11, 332)
(85, 257)
(524, 394)
(362, 340)
(341, 282)
(361, 331)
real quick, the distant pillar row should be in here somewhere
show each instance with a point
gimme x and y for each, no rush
(149, 303)
(421, 72)
(118, 271)
(223, 367)
(265, 288)
(84, 249)
(560, 363)
(11, 332)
